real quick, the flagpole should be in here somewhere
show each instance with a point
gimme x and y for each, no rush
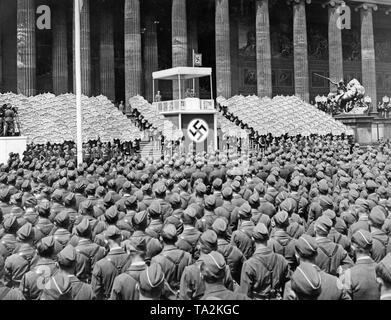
(79, 140)
(193, 78)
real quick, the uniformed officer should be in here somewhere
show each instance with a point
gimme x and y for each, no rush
(139, 237)
(33, 281)
(213, 268)
(188, 239)
(192, 286)
(242, 237)
(173, 261)
(331, 257)
(281, 242)
(67, 262)
(301, 287)
(88, 253)
(106, 269)
(381, 244)
(360, 280)
(23, 259)
(383, 274)
(125, 286)
(263, 275)
(44, 226)
(233, 256)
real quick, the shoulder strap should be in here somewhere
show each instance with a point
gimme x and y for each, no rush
(329, 255)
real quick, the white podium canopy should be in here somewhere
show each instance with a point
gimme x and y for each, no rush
(185, 73)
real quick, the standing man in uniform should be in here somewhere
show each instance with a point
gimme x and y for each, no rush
(264, 275)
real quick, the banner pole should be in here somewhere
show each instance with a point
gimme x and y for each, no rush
(79, 139)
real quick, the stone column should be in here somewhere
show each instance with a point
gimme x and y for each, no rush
(133, 63)
(300, 46)
(223, 55)
(150, 55)
(179, 41)
(60, 49)
(368, 61)
(335, 43)
(26, 47)
(192, 31)
(264, 62)
(106, 54)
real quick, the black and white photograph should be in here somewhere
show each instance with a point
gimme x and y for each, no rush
(189, 151)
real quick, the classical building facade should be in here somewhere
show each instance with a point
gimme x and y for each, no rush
(264, 47)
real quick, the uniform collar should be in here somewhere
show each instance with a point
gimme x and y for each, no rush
(116, 250)
(214, 288)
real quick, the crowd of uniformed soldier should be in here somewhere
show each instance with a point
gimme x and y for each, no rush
(306, 219)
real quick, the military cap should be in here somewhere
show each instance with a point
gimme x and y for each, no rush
(331, 214)
(70, 199)
(57, 196)
(10, 223)
(370, 184)
(130, 201)
(227, 192)
(155, 209)
(83, 228)
(254, 199)
(377, 216)
(62, 219)
(281, 219)
(154, 247)
(183, 184)
(213, 265)
(90, 188)
(190, 212)
(5, 195)
(326, 202)
(175, 200)
(111, 213)
(86, 207)
(199, 164)
(210, 202)
(30, 202)
(323, 186)
(67, 256)
(200, 188)
(260, 232)
(169, 232)
(220, 226)
(25, 185)
(306, 280)
(362, 238)
(160, 188)
(152, 280)
(177, 222)
(306, 246)
(112, 232)
(288, 205)
(127, 187)
(245, 211)
(383, 269)
(363, 203)
(26, 232)
(324, 224)
(109, 200)
(217, 183)
(235, 185)
(260, 188)
(140, 218)
(100, 191)
(80, 186)
(63, 182)
(146, 187)
(208, 240)
(46, 244)
(294, 183)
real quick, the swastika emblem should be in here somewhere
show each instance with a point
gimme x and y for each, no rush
(198, 130)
